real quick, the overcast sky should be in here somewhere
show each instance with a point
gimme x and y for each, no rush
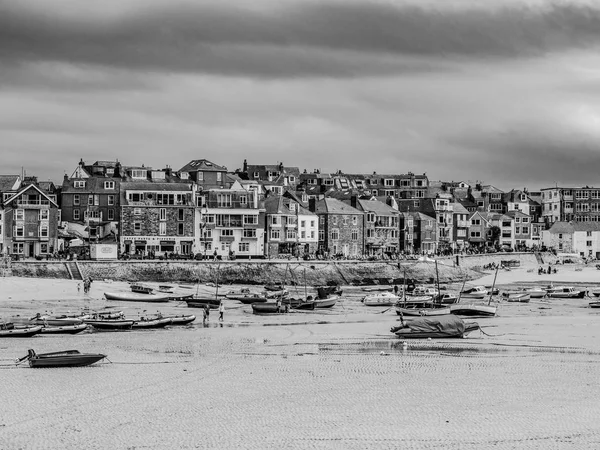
(507, 91)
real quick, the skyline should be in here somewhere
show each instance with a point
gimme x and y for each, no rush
(505, 92)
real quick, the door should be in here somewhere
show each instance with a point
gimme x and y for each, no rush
(31, 249)
(186, 247)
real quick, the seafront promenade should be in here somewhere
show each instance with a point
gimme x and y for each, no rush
(333, 379)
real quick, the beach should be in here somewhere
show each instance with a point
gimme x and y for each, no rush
(331, 379)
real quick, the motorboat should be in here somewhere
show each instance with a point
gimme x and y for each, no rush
(377, 288)
(565, 292)
(535, 292)
(517, 296)
(417, 301)
(380, 299)
(424, 290)
(66, 358)
(136, 297)
(64, 329)
(10, 330)
(247, 298)
(476, 292)
(464, 309)
(442, 327)
(141, 288)
(595, 304)
(447, 299)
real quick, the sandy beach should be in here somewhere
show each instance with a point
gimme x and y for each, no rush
(332, 379)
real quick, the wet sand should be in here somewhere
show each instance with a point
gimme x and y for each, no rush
(332, 379)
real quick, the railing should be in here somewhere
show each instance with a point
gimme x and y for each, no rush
(32, 202)
(228, 205)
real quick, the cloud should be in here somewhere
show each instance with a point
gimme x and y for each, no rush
(293, 38)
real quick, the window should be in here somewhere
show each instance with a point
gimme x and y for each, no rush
(76, 199)
(44, 214)
(244, 247)
(525, 230)
(525, 219)
(180, 214)
(275, 220)
(90, 199)
(111, 214)
(200, 176)
(291, 234)
(243, 200)
(475, 221)
(43, 247)
(517, 230)
(76, 214)
(560, 236)
(303, 234)
(517, 220)
(162, 214)
(109, 185)
(388, 182)
(389, 193)
(111, 200)
(588, 234)
(224, 200)
(370, 232)
(79, 184)
(249, 233)
(303, 224)
(250, 220)
(292, 207)
(18, 247)
(162, 228)
(137, 173)
(588, 243)
(335, 234)
(137, 211)
(18, 231)
(475, 234)
(321, 235)
(227, 232)
(180, 229)
(137, 227)
(275, 234)
(256, 174)
(461, 233)
(19, 214)
(371, 217)
(312, 234)
(219, 176)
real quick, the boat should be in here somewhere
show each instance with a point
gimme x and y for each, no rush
(247, 299)
(447, 299)
(274, 287)
(183, 319)
(518, 296)
(535, 292)
(476, 292)
(141, 288)
(565, 292)
(380, 299)
(9, 330)
(136, 297)
(436, 310)
(64, 329)
(110, 324)
(326, 291)
(463, 309)
(55, 321)
(420, 291)
(67, 358)
(447, 326)
(595, 304)
(178, 296)
(307, 304)
(201, 302)
(276, 294)
(102, 314)
(377, 288)
(322, 303)
(417, 301)
(149, 322)
(268, 308)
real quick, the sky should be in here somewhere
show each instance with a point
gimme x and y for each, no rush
(505, 92)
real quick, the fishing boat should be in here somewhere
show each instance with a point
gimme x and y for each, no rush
(201, 302)
(565, 292)
(148, 322)
(380, 299)
(476, 292)
(136, 297)
(10, 330)
(67, 358)
(517, 297)
(64, 329)
(447, 326)
(110, 324)
(141, 288)
(55, 321)
(183, 319)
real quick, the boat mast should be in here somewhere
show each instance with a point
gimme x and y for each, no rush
(404, 288)
(217, 287)
(437, 276)
(305, 293)
(493, 285)
(462, 288)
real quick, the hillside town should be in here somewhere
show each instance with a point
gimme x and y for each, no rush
(205, 211)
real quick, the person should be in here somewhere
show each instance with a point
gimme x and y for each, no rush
(396, 290)
(221, 311)
(206, 313)
(549, 269)
(215, 255)
(78, 288)
(278, 305)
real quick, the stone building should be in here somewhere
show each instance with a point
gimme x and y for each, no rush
(341, 227)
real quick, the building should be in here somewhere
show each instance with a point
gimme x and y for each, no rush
(405, 186)
(341, 227)
(230, 222)
(461, 225)
(31, 218)
(291, 229)
(562, 204)
(9, 185)
(275, 177)
(157, 213)
(426, 240)
(522, 230)
(582, 238)
(381, 226)
(205, 174)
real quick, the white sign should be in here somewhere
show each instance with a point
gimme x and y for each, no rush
(103, 251)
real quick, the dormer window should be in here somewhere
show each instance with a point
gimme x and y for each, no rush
(109, 185)
(292, 207)
(138, 173)
(79, 184)
(184, 175)
(256, 174)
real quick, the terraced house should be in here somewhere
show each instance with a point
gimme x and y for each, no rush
(9, 185)
(341, 227)
(230, 222)
(381, 226)
(157, 213)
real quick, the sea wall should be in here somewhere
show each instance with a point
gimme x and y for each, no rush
(478, 261)
(251, 272)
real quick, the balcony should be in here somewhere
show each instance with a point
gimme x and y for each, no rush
(229, 205)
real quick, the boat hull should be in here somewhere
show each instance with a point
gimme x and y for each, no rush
(473, 310)
(21, 332)
(134, 297)
(150, 323)
(67, 329)
(111, 324)
(70, 358)
(202, 302)
(422, 311)
(57, 321)
(181, 320)
(267, 308)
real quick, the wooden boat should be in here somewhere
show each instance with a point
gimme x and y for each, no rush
(247, 299)
(9, 330)
(135, 297)
(110, 324)
(565, 292)
(65, 329)
(276, 294)
(443, 327)
(437, 310)
(141, 288)
(417, 301)
(67, 358)
(380, 299)
(183, 319)
(322, 303)
(305, 304)
(179, 296)
(147, 322)
(463, 309)
(55, 321)
(268, 308)
(476, 292)
(201, 302)
(517, 297)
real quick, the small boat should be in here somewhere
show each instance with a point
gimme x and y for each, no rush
(141, 288)
(326, 291)
(517, 297)
(463, 309)
(377, 288)
(183, 319)
(64, 329)
(9, 330)
(417, 301)
(476, 292)
(595, 304)
(201, 302)
(179, 296)
(276, 294)
(147, 322)
(442, 327)
(268, 308)
(247, 299)
(435, 311)
(380, 299)
(322, 303)
(535, 292)
(102, 314)
(565, 292)
(419, 291)
(136, 297)
(55, 321)
(67, 358)
(110, 324)
(307, 304)
(274, 287)
(447, 299)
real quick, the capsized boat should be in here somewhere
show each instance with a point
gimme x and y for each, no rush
(66, 358)
(135, 297)
(447, 326)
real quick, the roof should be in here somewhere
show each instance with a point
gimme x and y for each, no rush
(278, 204)
(562, 227)
(586, 226)
(376, 206)
(9, 182)
(335, 206)
(458, 208)
(203, 165)
(25, 189)
(92, 184)
(156, 186)
(515, 213)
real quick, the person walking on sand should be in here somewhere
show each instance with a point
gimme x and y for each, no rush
(206, 313)
(221, 311)
(78, 288)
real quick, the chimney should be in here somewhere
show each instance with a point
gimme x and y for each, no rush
(168, 171)
(245, 167)
(118, 169)
(312, 204)
(353, 201)
(281, 167)
(66, 178)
